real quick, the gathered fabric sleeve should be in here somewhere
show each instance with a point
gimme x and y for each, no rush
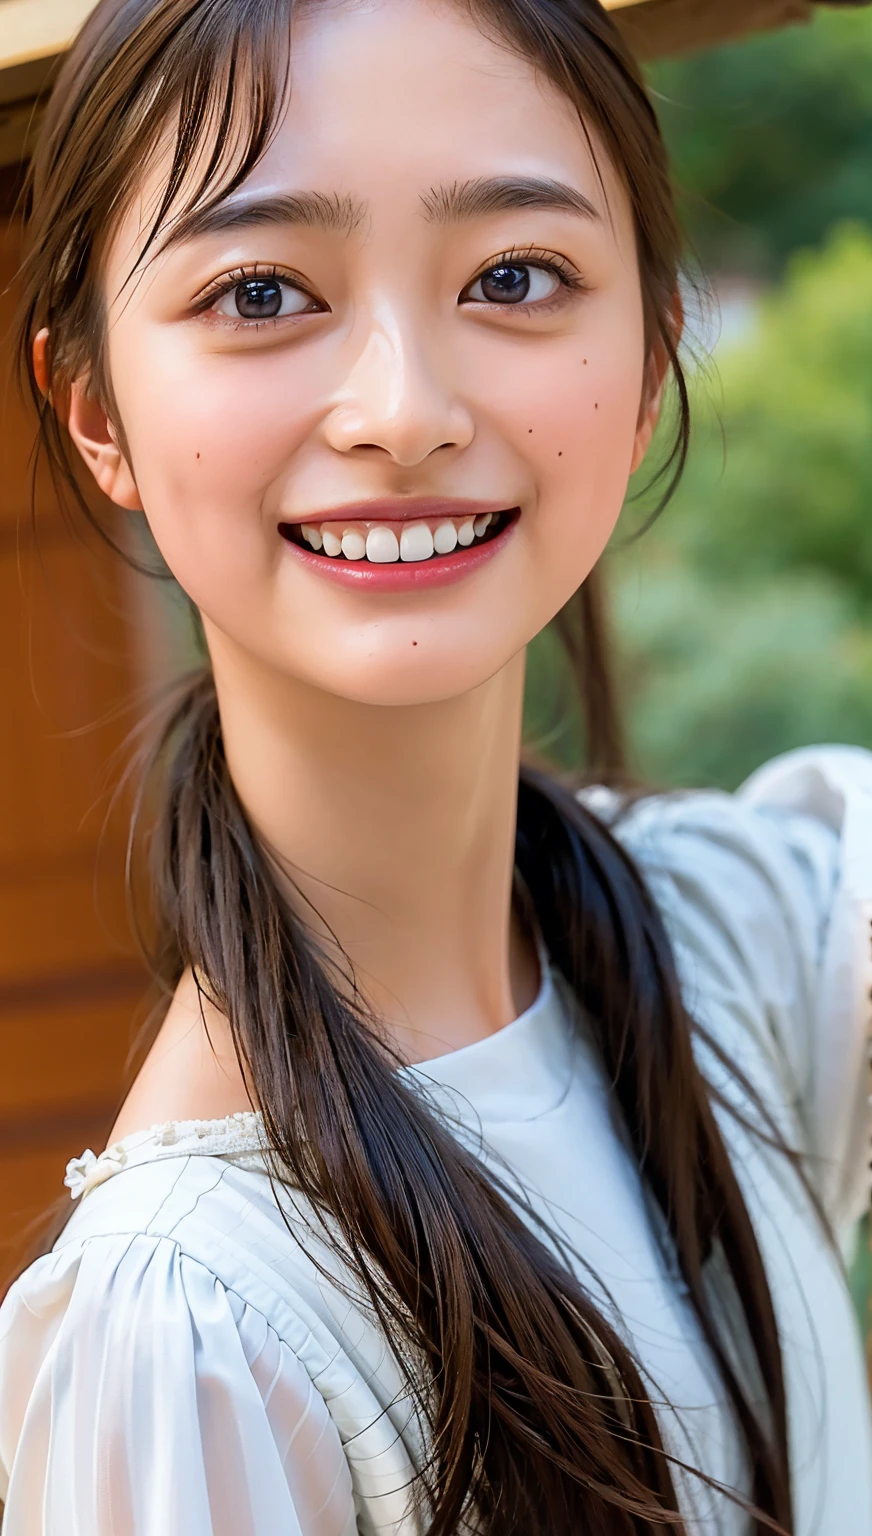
(139, 1397)
(767, 896)
(811, 796)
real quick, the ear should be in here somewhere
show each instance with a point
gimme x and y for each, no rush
(96, 439)
(655, 383)
(40, 361)
(92, 432)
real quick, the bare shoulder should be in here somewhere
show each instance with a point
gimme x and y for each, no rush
(191, 1071)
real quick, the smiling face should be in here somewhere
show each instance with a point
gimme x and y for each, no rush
(421, 308)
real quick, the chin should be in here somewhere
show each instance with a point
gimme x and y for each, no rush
(399, 682)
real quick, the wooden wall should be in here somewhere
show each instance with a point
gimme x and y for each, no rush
(70, 983)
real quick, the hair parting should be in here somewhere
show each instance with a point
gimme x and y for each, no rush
(538, 1417)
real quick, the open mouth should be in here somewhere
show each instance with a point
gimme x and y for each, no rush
(422, 541)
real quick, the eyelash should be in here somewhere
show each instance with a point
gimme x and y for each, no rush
(533, 256)
(231, 280)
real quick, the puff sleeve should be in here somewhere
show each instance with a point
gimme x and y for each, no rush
(811, 796)
(141, 1398)
(767, 896)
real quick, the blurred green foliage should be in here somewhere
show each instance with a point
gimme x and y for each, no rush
(745, 611)
(787, 485)
(771, 139)
(861, 1270)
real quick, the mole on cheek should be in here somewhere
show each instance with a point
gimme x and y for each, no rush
(198, 455)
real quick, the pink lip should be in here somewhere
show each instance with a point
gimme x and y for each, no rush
(398, 509)
(406, 576)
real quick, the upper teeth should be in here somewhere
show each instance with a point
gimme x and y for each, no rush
(382, 545)
(445, 537)
(417, 541)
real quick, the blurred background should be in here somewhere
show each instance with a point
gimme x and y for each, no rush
(744, 615)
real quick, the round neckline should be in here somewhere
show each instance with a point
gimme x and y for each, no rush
(463, 1054)
(518, 1073)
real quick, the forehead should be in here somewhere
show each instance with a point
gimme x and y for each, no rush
(391, 102)
(402, 92)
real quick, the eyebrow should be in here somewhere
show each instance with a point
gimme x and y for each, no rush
(500, 194)
(341, 214)
(314, 210)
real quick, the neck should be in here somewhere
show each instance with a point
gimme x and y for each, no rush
(395, 827)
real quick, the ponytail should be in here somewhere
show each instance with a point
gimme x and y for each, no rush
(536, 1411)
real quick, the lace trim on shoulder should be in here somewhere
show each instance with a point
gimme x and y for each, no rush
(238, 1137)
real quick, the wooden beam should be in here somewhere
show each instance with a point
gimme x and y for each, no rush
(19, 122)
(657, 28)
(39, 29)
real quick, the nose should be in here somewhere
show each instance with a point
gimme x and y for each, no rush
(394, 398)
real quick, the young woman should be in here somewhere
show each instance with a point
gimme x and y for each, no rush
(488, 1168)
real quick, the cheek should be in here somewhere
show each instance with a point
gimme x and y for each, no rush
(570, 411)
(208, 445)
(584, 448)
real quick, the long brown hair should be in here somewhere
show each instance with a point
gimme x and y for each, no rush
(539, 1418)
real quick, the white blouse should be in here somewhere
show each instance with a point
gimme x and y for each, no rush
(185, 1363)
